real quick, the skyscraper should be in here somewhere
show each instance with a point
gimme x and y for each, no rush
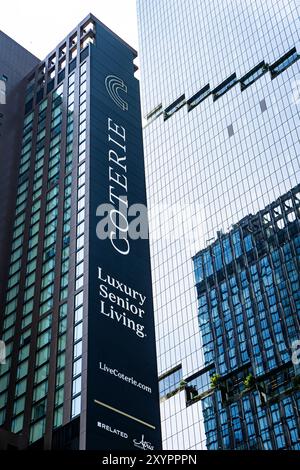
(15, 63)
(220, 96)
(77, 318)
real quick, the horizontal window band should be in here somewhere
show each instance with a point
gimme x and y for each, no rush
(175, 106)
(221, 89)
(198, 97)
(157, 111)
(284, 62)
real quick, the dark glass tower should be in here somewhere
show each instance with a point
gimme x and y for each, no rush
(77, 316)
(249, 312)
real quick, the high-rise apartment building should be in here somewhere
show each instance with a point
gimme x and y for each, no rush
(77, 319)
(220, 96)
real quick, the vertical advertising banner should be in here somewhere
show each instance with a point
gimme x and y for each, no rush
(122, 390)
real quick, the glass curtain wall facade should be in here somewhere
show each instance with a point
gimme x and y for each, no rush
(249, 311)
(220, 97)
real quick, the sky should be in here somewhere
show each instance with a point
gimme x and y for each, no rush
(40, 25)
